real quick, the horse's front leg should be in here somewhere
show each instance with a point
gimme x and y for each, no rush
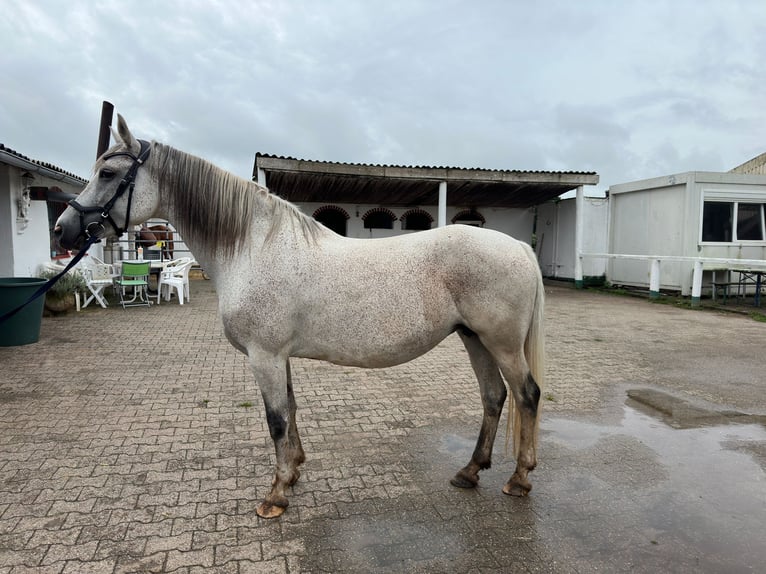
(273, 377)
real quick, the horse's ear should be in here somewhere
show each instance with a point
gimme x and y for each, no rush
(124, 135)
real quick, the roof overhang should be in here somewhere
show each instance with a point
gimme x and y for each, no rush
(53, 194)
(12, 157)
(299, 180)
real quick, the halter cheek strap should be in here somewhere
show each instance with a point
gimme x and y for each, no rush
(96, 228)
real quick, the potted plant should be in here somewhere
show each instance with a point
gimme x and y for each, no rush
(60, 297)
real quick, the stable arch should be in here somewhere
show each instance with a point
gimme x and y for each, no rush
(334, 218)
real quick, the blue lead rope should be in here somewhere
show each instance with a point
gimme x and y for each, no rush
(44, 288)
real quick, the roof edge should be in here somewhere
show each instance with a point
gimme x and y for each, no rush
(12, 157)
(268, 162)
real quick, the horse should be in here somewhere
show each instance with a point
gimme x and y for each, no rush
(289, 287)
(148, 236)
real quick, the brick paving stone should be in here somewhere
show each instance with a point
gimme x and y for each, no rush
(117, 456)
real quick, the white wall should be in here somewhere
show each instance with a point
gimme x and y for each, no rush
(32, 245)
(556, 236)
(647, 222)
(517, 223)
(7, 229)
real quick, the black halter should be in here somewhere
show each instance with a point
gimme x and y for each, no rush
(96, 228)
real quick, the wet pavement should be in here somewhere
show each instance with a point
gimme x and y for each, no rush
(134, 441)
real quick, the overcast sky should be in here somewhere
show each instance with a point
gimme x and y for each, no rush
(627, 89)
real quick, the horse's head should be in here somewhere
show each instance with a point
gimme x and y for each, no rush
(119, 195)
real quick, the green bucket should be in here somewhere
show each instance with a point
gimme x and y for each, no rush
(22, 328)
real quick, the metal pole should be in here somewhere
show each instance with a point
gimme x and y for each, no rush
(104, 133)
(579, 218)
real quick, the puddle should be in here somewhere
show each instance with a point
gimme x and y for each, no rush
(681, 488)
(676, 488)
(682, 413)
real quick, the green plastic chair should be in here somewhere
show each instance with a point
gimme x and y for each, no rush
(134, 275)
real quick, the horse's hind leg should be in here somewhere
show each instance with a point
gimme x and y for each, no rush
(493, 395)
(526, 395)
(273, 377)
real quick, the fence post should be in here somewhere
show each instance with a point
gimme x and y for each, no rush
(654, 279)
(697, 283)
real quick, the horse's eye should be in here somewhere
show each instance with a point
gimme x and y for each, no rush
(106, 174)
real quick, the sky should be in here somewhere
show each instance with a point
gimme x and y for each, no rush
(628, 89)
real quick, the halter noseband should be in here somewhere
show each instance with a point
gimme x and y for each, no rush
(96, 228)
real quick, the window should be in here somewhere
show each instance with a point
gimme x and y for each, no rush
(469, 217)
(55, 209)
(333, 218)
(716, 221)
(719, 217)
(417, 220)
(750, 221)
(379, 219)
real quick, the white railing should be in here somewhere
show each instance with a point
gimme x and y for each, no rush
(698, 262)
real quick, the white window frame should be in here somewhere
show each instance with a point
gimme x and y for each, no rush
(721, 198)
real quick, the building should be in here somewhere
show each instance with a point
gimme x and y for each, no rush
(556, 237)
(32, 195)
(368, 201)
(686, 216)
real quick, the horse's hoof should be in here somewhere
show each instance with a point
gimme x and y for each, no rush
(462, 481)
(268, 510)
(513, 488)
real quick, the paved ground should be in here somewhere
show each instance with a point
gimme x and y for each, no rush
(134, 441)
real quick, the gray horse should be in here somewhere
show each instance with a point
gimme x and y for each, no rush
(289, 287)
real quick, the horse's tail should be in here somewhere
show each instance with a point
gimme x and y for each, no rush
(534, 353)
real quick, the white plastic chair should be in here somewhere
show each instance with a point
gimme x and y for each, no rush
(175, 275)
(98, 276)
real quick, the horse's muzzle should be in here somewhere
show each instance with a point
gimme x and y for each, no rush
(67, 241)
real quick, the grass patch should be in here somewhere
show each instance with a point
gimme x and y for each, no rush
(612, 290)
(758, 316)
(246, 404)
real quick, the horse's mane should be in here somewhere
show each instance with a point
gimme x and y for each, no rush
(219, 206)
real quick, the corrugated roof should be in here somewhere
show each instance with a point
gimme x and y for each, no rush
(301, 180)
(39, 163)
(421, 167)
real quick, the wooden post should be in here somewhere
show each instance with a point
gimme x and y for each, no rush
(104, 131)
